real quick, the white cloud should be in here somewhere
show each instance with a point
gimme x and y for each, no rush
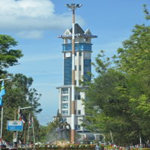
(34, 16)
(27, 8)
(30, 34)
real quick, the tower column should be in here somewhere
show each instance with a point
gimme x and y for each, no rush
(73, 7)
(73, 80)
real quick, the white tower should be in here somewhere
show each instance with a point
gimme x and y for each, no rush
(82, 68)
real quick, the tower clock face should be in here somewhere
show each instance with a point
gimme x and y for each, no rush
(68, 54)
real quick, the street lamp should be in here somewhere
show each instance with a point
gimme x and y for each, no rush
(4, 79)
(73, 7)
(19, 108)
(25, 107)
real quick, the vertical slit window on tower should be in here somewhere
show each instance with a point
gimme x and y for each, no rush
(75, 67)
(79, 67)
(79, 97)
(80, 53)
(87, 69)
(79, 112)
(67, 71)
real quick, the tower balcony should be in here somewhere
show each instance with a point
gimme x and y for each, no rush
(78, 47)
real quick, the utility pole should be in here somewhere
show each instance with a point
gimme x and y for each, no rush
(73, 8)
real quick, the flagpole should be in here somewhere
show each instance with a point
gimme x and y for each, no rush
(1, 122)
(14, 134)
(18, 119)
(33, 133)
(28, 131)
(2, 93)
(1, 126)
(111, 137)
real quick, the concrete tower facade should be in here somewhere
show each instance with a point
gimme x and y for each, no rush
(82, 68)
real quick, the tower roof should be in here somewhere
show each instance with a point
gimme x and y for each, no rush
(78, 29)
(79, 32)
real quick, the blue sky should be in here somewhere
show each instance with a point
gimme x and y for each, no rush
(36, 24)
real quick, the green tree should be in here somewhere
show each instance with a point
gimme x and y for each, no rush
(119, 97)
(8, 55)
(20, 93)
(107, 107)
(43, 133)
(18, 89)
(134, 61)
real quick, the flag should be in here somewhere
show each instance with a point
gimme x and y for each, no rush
(2, 92)
(21, 117)
(24, 120)
(1, 102)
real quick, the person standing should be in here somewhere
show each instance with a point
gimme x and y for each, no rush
(97, 147)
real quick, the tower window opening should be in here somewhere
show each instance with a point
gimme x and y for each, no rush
(65, 91)
(79, 67)
(80, 53)
(65, 105)
(86, 39)
(64, 98)
(79, 97)
(75, 67)
(79, 112)
(75, 82)
(65, 112)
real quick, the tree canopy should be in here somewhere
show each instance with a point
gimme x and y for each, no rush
(18, 89)
(119, 97)
(8, 55)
